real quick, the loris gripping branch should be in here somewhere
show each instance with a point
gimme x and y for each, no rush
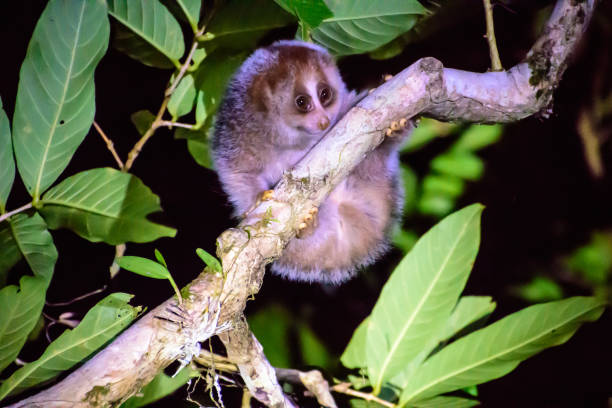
(279, 104)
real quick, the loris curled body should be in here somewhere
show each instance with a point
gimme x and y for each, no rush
(279, 104)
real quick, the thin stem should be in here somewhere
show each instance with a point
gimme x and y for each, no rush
(76, 299)
(183, 69)
(15, 211)
(495, 61)
(133, 154)
(171, 124)
(109, 144)
(344, 388)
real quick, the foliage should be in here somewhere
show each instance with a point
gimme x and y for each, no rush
(403, 344)
(413, 345)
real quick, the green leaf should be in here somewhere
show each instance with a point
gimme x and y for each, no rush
(104, 205)
(469, 309)
(156, 38)
(354, 355)
(311, 12)
(416, 301)
(55, 99)
(191, 8)
(540, 289)
(9, 252)
(7, 164)
(200, 151)
(593, 261)
(210, 261)
(359, 403)
(144, 267)
(35, 243)
(476, 137)
(497, 349)
(426, 131)
(142, 120)
(464, 165)
(240, 24)
(446, 402)
(103, 322)
(435, 204)
(447, 185)
(410, 182)
(160, 258)
(313, 351)
(363, 25)
(389, 50)
(271, 326)
(183, 98)
(404, 239)
(161, 386)
(21, 307)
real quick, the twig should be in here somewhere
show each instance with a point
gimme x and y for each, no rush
(76, 299)
(133, 154)
(345, 388)
(590, 143)
(171, 124)
(109, 144)
(15, 211)
(495, 61)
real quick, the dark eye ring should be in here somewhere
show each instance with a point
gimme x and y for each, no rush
(325, 95)
(302, 103)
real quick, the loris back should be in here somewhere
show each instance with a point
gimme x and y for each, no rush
(282, 101)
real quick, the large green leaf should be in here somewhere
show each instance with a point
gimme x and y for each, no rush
(354, 355)
(103, 322)
(447, 402)
(35, 243)
(363, 25)
(469, 309)
(311, 12)
(7, 164)
(9, 251)
(418, 298)
(55, 99)
(154, 37)
(104, 205)
(20, 311)
(239, 24)
(191, 8)
(497, 349)
(161, 386)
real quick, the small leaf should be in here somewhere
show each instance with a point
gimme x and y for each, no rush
(464, 165)
(426, 131)
(312, 349)
(435, 204)
(144, 267)
(191, 8)
(311, 12)
(477, 137)
(210, 261)
(389, 50)
(160, 258)
(469, 309)
(271, 326)
(103, 322)
(497, 349)
(354, 355)
(363, 25)
(151, 22)
(416, 301)
(21, 307)
(7, 164)
(104, 205)
(161, 386)
(55, 98)
(142, 120)
(35, 243)
(447, 185)
(540, 289)
(200, 151)
(183, 98)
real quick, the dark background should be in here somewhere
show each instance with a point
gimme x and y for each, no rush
(541, 200)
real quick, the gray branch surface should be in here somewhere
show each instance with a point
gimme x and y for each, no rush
(214, 303)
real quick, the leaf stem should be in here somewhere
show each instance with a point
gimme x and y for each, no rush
(344, 388)
(109, 144)
(495, 61)
(171, 124)
(15, 211)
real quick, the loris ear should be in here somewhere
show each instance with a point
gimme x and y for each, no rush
(260, 94)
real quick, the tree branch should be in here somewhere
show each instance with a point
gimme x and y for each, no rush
(213, 302)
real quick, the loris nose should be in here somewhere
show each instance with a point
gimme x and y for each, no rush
(323, 123)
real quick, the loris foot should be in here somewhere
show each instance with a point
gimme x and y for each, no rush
(265, 195)
(396, 127)
(309, 224)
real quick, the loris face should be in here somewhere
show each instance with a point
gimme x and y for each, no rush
(301, 91)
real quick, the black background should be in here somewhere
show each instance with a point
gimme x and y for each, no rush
(541, 201)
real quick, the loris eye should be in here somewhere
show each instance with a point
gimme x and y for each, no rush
(302, 102)
(325, 96)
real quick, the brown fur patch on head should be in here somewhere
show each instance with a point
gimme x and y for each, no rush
(291, 65)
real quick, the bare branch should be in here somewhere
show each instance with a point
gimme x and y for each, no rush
(213, 302)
